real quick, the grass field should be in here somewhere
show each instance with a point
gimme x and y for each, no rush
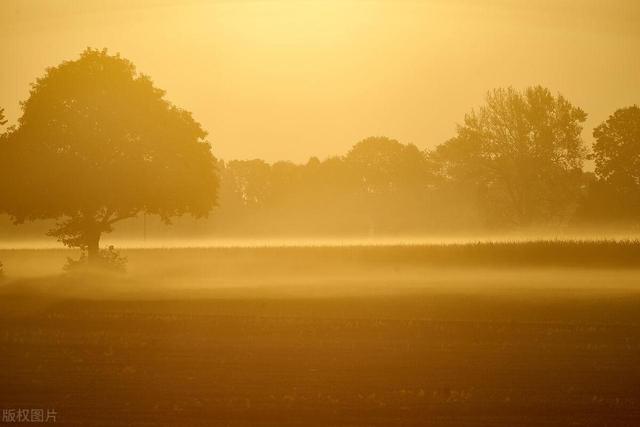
(543, 333)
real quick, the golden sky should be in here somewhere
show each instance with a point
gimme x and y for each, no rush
(290, 79)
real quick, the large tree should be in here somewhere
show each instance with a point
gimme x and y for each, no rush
(98, 143)
(615, 194)
(522, 153)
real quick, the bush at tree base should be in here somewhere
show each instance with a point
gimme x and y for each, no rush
(110, 260)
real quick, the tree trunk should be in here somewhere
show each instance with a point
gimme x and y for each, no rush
(93, 247)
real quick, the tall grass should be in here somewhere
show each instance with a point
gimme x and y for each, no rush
(552, 253)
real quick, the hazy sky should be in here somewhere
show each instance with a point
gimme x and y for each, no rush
(291, 79)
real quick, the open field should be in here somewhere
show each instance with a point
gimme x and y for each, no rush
(545, 333)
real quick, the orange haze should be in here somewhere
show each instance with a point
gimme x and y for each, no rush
(292, 79)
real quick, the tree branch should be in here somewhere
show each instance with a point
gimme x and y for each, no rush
(120, 218)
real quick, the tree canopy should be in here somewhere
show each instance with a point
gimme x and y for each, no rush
(522, 151)
(97, 142)
(617, 148)
(615, 193)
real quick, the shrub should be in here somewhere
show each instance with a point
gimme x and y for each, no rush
(110, 260)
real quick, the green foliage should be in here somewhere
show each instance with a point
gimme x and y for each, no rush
(98, 143)
(522, 153)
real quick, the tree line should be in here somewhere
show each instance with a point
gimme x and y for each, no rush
(97, 143)
(516, 162)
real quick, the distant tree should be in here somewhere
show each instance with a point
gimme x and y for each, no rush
(392, 179)
(97, 143)
(522, 153)
(617, 148)
(287, 183)
(379, 185)
(615, 195)
(251, 180)
(383, 164)
(376, 162)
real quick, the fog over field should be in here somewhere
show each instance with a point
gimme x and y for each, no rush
(503, 334)
(318, 270)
